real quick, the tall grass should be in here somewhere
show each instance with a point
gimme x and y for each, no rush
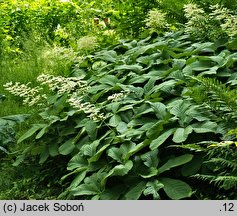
(37, 57)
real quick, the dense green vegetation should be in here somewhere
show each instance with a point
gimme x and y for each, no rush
(118, 99)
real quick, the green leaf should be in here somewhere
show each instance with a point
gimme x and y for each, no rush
(113, 193)
(31, 131)
(181, 134)
(116, 154)
(85, 189)
(176, 189)
(77, 162)
(174, 162)
(44, 154)
(110, 80)
(122, 127)
(109, 56)
(149, 85)
(150, 172)
(42, 132)
(151, 158)
(159, 109)
(78, 179)
(135, 192)
(161, 139)
(152, 188)
(90, 149)
(67, 147)
(106, 143)
(136, 68)
(91, 129)
(16, 118)
(122, 169)
(153, 130)
(205, 127)
(114, 120)
(193, 166)
(138, 147)
(53, 149)
(92, 185)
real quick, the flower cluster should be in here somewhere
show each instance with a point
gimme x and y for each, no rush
(156, 20)
(197, 24)
(87, 43)
(192, 10)
(75, 87)
(76, 101)
(62, 84)
(227, 20)
(30, 95)
(220, 22)
(117, 96)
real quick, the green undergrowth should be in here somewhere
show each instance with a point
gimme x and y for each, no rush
(141, 116)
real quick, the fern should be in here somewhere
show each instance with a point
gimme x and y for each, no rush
(216, 97)
(222, 182)
(223, 163)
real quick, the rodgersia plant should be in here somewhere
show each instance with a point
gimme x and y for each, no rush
(74, 87)
(221, 22)
(156, 20)
(87, 43)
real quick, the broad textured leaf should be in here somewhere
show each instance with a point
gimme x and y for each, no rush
(114, 120)
(154, 130)
(205, 127)
(42, 132)
(16, 118)
(31, 131)
(77, 162)
(122, 127)
(53, 149)
(67, 147)
(136, 68)
(149, 85)
(176, 189)
(116, 154)
(152, 188)
(78, 179)
(159, 109)
(181, 134)
(90, 149)
(161, 139)
(174, 162)
(151, 158)
(109, 56)
(193, 166)
(44, 154)
(91, 129)
(110, 80)
(122, 169)
(135, 192)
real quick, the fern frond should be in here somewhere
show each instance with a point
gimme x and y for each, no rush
(216, 97)
(224, 182)
(224, 163)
